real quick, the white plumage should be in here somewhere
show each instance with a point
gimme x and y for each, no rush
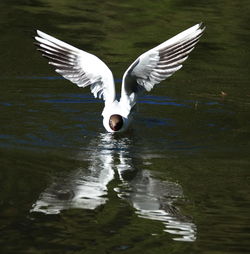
(149, 69)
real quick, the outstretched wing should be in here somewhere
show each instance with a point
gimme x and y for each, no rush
(78, 66)
(159, 63)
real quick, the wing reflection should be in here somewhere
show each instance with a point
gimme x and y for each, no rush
(153, 199)
(86, 188)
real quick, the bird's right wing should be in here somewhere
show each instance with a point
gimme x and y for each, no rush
(78, 66)
(159, 63)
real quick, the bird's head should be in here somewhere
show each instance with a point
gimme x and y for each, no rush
(115, 122)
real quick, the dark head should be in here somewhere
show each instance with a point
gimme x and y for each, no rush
(115, 122)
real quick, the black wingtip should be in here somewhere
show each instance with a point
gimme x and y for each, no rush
(36, 44)
(47, 56)
(202, 26)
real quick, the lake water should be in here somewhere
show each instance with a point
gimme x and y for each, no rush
(176, 182)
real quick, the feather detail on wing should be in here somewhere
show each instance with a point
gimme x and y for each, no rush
(159, 63)
(78, 66)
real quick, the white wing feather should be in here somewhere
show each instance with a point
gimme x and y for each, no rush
(78, 66)
(159, 63)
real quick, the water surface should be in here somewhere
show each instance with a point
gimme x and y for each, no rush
(176, 182)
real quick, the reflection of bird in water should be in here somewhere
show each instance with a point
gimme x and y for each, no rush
(154, 199)
(143, 74)
(87, 187)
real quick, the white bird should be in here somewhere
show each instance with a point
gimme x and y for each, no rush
(149, 69)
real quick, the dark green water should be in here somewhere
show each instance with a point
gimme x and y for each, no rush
(176, 182)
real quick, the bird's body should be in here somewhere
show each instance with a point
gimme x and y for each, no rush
(149, 69)
(113, 109)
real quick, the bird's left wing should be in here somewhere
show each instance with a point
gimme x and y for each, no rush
(78, 66)
(159, 63)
